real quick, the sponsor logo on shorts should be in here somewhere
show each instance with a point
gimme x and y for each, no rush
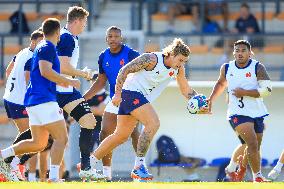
(25, 112)
(235, 120)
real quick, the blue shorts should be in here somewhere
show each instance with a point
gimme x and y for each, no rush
(239, 119)
(15, 111)
(131, 100)
(65, 98)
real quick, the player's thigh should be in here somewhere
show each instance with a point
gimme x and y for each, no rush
(247, 132)
(22, 124)
(109, 123)
(57, 130)
(146, 115)
(125, 125)
(39, 135)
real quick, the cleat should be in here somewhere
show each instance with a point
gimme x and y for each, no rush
(91, 175)
(20, 172)
(231, 176)
(261, 179)
(5, 169)
(141, 173)
(273, 174)
(2, 178)
(241, 171)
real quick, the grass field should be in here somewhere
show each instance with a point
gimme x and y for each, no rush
(134, 185)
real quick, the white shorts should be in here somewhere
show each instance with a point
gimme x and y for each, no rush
(45, 113)
(111, 108)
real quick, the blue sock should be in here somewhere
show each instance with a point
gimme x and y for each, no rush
(86, 143)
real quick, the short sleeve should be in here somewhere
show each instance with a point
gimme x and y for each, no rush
(132, 54)
(66, 45)
(28, 65)
(100, 62)
(47, 53)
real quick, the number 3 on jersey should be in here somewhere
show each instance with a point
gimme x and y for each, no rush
(241, 105)
(12, 84)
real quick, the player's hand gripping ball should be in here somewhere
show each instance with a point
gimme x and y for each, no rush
(195, 103)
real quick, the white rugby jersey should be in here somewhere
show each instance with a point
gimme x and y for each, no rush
(74, 57)
(151, 83)
(245, 78)
(16, 83)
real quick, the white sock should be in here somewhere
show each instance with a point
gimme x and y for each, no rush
(15, 162)
(93, 161)
(232, 166)
(107, 171)
(32, 177)
(8, 152)
(54, 172)
(278, 166)
(139, 161)
(258, 174)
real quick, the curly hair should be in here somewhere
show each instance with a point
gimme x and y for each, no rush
(177, 47)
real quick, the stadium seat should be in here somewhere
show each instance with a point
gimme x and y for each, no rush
(217, 50)
(159, 17)
(267, 15)
(32, 16)
(151, 47)
(217, 162)
(264, 162)
(57, 15)
(234, 15)
(274, 162)
(158, 164)
(12, 49)
(199, 49)
(4, 16)
(185, 17)
(273, 49)
(280, 16)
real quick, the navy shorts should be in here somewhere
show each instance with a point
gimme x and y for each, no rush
(239, 119)
(15, 111)
(65, 98)
(131, 100)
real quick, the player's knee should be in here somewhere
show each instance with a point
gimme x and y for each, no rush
(120, 138)
(39, 145)
(252, 146)
(154, 125)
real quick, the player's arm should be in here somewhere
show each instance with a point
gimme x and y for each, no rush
(10, 67)
(98, 85)
(219, 87)
(46, 71)
(146, 61)
(68, 69)
(184, 87)
(264, 85)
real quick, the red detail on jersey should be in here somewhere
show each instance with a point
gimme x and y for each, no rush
(235, 120)
(121, 62)
(100, 98)
(60, 111)
(248, 74)
(25, 112)
(136, 101)
(171, 73)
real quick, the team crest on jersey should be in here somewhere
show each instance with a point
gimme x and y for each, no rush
(171, 73)
(121, 62)
(248, 74)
